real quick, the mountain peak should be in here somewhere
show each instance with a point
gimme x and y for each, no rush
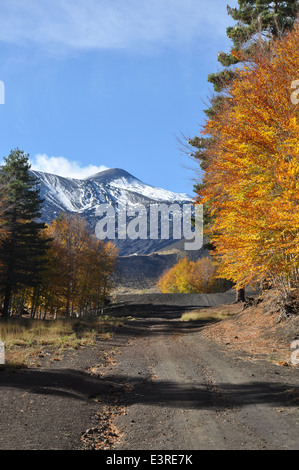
(111, 174)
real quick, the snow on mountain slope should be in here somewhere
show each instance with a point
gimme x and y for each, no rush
(63, 192)
(114, 186)
(121, 179)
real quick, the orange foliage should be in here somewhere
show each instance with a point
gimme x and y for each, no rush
(252, 175)
(80, 266)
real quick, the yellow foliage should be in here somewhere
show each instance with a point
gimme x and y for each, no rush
(252, 176)
(78, 275)
(190, 277)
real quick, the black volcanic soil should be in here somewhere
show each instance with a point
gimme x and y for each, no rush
(160, 383)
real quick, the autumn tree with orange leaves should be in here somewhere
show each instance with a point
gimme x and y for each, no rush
(252, 170)
(78, 277)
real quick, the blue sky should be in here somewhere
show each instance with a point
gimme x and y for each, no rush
(93, 84)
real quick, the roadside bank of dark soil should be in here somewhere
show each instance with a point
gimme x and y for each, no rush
(259, 330)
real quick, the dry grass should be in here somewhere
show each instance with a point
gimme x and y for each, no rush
(26, 339)
(209, 314)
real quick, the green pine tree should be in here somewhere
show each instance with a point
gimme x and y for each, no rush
(22, 252)
(254, 19)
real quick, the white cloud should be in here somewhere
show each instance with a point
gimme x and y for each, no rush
(105, 24)
(63, 167)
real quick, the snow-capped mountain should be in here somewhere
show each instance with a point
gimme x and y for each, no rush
(115, 187)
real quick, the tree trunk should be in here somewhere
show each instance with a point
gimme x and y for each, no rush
(240, 296)
(6, 304)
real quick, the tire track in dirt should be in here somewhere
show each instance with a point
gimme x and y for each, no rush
(185, 393)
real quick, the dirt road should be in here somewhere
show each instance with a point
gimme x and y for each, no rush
(158, 384)
(184, 392)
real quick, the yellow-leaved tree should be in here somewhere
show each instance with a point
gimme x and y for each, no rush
(78, 276)
(252, 173)
(192, 277)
